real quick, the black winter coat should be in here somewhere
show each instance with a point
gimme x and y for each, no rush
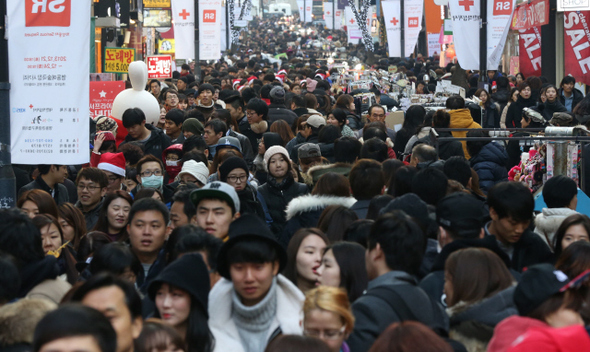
(354, 121)
(156, 144)
(547, 109)
(490, 165)
(401, 139)
(447, 149)
(277, 197)
(280, 112)
(578, 96)
(529, 250)
(501, 98)
(491, 117)
(514, 113)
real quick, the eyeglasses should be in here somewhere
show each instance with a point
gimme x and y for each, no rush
(148, 173)
(113, 179)
(326, 334)
(90, 188)
(241, 178)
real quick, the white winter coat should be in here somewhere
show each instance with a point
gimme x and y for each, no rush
(547, 223)
(227, 338)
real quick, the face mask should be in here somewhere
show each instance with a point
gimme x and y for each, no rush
(152, 181)
(171, 162)
(172, 171)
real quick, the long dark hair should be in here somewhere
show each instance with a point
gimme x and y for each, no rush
(572, 220)
(75, 218)
(334, 221)
(290, 271)
(414, 118)
(102, 224)
(353, 277)
(198, 335)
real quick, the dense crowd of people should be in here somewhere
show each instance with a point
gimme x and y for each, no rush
(266, 211)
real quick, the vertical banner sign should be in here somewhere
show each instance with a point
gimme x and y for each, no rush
(433, 17)
(499, 16)
(223, 20)
(354, 32)
(183, 14)
(159, 66)
(308, 17)
(576, 42)
(301, 7)
(530, 51)
(465, 16)
(48, 55)
(329, 14)
(102, 95)
(338, 20)
(413, 18)
(391, 15)
(209, 29)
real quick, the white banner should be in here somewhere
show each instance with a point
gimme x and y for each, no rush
(183, 14)
(354, 32)
(308, 5)
(209, 29)
(338, 19)
(224, 29)
(499, 17)
(433, 44)
(466, 19)
(329, 14)
(48, 55)
(413, 16)
(391, 14)
(301, 6)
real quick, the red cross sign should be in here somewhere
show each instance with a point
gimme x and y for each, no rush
(466, 4)
(184, 14)
(394, 21)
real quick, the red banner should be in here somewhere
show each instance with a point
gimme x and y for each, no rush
(102, 95)
(531, 14)
(576, 45)
(530, 51)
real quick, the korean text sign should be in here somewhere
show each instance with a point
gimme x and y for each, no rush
(48, 55)
(117, 60)
(159, 66)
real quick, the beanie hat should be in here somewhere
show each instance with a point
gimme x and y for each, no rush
(275, 149)
(188, 273)
(246, 228)
(410, 203)
(277, 93)
(271, 138)
(108, 136)
(311, 84)
(231, 164)
(204, 87)
(193, 125)
(113, 162)
(104, 123)
(197, 169)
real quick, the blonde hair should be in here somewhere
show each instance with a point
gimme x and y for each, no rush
(330, 299)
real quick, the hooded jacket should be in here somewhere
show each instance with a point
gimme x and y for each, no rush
(461, 118)
(280, 112)
(578, 96)
(501, 98)
(226, 334)
(40, 280)
(354, 121)
(305, 211)
(18, 321)
(277, 196)
(315, 172)
(423, 133)
(156, 143)
(509, 330)
(491, 116)
(490, 165)
(547, 223)
(473, 324)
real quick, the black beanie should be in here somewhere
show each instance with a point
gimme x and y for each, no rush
(271, 138)
(230, 164)
(188, 273)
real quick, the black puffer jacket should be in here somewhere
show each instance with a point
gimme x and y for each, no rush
(491, 117)
(354, 121)
(514, 113)
(278, 196)
(501, 98)
(547, 109)
(490, 165)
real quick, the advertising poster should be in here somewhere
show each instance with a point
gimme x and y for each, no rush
(413, 18)
(102, 95)
(210, 29)
(183, 14)
(159, 66)
(354, 32)
(117, 60)
(576, 45)
(530, 51)
(391, 14)
(48, 44)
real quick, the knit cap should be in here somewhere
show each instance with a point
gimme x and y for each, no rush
(275, 149)
(197, 169)
(231, 164)
(193, 125)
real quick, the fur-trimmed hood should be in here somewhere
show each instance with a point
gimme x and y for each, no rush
(547, 223)
(311, 202)
(18, 320)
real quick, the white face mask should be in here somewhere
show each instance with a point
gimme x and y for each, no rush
(171, 162)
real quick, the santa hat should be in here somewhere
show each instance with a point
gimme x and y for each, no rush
(282, 72)
(281, 78)
(113, 162)
(494, 85)
(251, 79)
(320, 76)
(240, 88)
(235, 82)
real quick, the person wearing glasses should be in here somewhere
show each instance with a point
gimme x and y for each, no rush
(171, 99)
(235, 172)
(327, 316)
(151, 139)
(150, 174)
(92, 185)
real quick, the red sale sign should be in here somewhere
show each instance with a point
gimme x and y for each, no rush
(159, 66)
(530, 14)
(576, 43)
(102, 95)
(44, 13)
(530, 51)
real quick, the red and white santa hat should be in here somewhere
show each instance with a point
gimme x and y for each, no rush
(251, 79)
(241, 87)
(235, 82)
(113, 162)
(320, 76)
(282, 72)
(281, 78)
